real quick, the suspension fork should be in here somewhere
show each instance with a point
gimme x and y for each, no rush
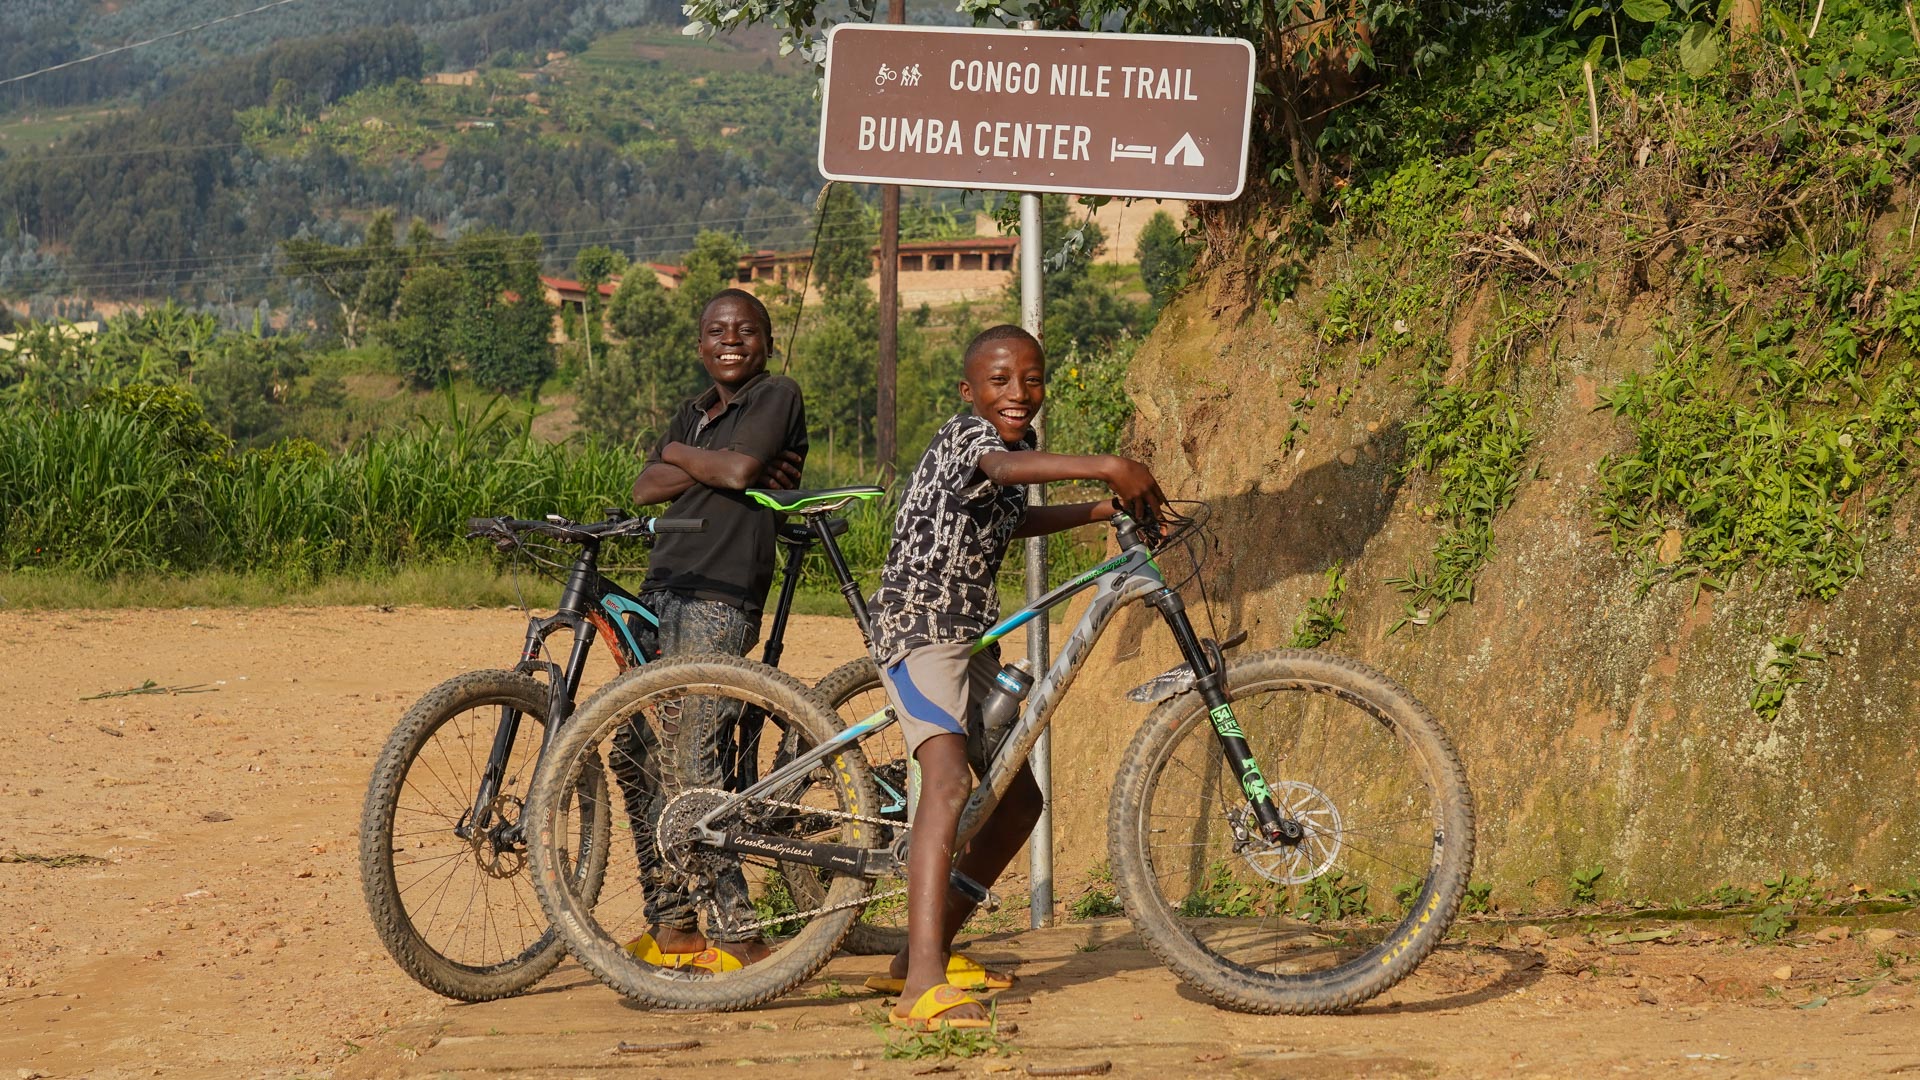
(562, 685)
(1210, 669)
(479, 816)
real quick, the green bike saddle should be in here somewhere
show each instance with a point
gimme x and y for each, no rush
(817, 501)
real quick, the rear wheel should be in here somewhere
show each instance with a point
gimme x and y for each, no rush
(1335, 918)
(658, 860)
(449, 898)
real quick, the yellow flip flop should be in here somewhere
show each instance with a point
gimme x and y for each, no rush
(963, 971)
(645, 949)
(936, 1002)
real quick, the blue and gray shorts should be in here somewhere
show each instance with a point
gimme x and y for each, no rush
(938, 689)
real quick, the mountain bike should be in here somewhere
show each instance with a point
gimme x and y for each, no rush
(442, 844)
(1289, 832)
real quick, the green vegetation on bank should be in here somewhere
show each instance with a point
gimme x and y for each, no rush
(1754, 207)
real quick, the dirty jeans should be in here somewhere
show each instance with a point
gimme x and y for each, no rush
(685, 753)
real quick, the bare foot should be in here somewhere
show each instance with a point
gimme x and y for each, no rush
(897, 969)
(747, 952)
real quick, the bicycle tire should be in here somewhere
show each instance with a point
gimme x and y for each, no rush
(841, 687)
(465, 977)
(1324, 683)
(598, 948)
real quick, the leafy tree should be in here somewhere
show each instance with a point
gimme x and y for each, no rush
(834, 361)
(632, 394)
(247, 382)
(1164, 256)
(363, 280)
(1077, 311)
(844, 256)
(929, 381)
(712, 265)
(422, 335)
(503, 326)
(834, 364)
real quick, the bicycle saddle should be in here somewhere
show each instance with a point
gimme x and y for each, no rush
(816, 501)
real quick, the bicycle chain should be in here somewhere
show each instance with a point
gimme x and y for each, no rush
(811, 913)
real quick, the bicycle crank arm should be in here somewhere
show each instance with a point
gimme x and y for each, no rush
(866, 862)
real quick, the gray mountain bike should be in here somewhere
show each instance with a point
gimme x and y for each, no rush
(1289, 832)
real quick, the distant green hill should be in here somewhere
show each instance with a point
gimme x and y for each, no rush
(455, 33)
(638, 141)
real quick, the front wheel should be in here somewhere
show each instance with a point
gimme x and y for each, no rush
(1358, 901)
(446, 892)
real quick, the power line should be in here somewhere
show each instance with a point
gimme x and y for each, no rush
(149, 41)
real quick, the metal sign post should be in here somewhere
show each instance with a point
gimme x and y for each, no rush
(1037, 111)
(1039, 656)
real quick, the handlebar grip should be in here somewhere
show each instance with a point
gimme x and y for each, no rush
(677, 525)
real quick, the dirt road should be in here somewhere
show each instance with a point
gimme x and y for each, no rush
(178, 896)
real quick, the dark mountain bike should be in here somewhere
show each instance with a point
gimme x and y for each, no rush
(1289, 832)
(442, 841)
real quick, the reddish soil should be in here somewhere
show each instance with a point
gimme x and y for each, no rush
(206, 917)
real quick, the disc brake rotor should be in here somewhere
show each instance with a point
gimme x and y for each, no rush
(1318, 849)
(493, 852)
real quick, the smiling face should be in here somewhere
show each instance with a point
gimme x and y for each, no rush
(1006, 382)
(733, 342)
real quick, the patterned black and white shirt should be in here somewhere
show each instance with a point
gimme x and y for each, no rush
(949, 539)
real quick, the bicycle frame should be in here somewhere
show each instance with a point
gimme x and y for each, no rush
(1131, 575)
(593, 607)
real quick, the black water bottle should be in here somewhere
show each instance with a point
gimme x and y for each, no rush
(998, 712)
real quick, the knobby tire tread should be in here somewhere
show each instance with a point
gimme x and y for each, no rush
(418, 959)
(1224, 982)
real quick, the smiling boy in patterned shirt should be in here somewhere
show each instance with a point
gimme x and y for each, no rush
(962, 509)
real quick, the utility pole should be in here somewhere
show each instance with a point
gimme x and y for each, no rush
(887, 364)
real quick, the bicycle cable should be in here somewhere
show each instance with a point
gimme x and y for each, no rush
(813, 255)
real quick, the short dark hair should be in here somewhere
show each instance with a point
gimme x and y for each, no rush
(1003, 332)
(759, 309)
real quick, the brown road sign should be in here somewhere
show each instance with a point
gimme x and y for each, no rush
(1092, 114)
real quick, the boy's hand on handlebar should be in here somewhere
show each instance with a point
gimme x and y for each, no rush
(783, 472)
(1138, 493)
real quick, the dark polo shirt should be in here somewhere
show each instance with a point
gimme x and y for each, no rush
(732, 561)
